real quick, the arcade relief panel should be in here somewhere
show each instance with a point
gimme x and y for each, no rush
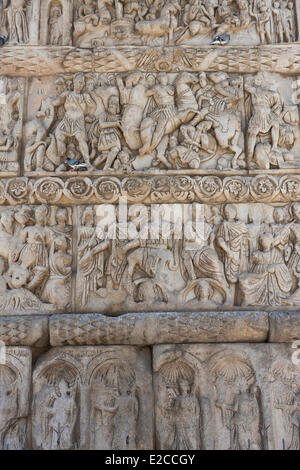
(97, 398)
(120, 123)
(226, 397)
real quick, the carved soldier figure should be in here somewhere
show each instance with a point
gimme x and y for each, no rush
(266, 111)
(164, 97)
(73, 123)
(107, 132)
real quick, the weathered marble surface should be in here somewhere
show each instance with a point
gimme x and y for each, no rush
(284, 327)
(24, 331)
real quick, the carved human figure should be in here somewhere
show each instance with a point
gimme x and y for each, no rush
(285, 380)
(13, 98)
(125, 435)
(73, 123)
(7, 142)
(135, 10)
(106, 132)
(58, 286)
(92, 256)
(56, 26)
(59, 413)
(87, 12)
(269, 281)
(114, 408)
(288, 17)
(244, 13)
(102, 423)
(227, 19)
(9, 404)
(266, 109)
(10, 122)
(246, 418)
(164, 98)
(237, 408)
(17, 21)
(35, 240)
(7, 235)
(263, 17)
(133, 100)
(163, 26)
(180, 407)
(234, 240)
(278, 20)
(197, 146)
(36, 146)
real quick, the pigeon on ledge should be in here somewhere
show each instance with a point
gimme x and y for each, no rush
(76, 165)
(3, 40)
(221, 40)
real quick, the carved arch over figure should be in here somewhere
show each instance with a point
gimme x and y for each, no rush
(237, 402)
(114, 406)
(56, 405)
(179, 402)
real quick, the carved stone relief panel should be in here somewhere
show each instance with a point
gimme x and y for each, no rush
(130, 122)
(97, 398)
(15, 378)
(235, 397)
(35, 259)
(190, 257)
(164, 23)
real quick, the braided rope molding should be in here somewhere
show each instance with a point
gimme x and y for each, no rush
(41, 60)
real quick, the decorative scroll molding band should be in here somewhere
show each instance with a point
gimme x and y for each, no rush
(209, 189)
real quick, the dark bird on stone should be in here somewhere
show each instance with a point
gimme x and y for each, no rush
(76, 165)
(221, 40)
(3, 40)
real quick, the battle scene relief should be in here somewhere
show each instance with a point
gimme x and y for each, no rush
(121, 123)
